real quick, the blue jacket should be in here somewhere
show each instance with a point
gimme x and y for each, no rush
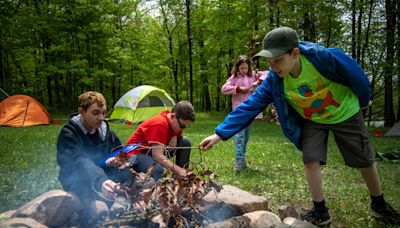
(332, 63)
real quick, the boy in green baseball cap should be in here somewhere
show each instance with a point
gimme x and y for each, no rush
(315, 90)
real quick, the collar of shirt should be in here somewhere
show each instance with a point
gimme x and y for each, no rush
(102, 130)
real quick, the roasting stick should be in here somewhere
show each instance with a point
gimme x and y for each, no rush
(166, 148)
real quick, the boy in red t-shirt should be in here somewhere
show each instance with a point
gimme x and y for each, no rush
(159, 137)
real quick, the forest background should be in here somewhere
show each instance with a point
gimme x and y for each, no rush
(55, 49)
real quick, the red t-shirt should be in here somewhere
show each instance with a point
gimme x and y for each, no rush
(157, 129)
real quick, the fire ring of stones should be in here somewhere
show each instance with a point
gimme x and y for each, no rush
(189, 202)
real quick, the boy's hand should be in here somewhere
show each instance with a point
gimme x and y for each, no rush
(108, 189)
(209, 142)
(184, 173)
(111, 162)
(116, 162)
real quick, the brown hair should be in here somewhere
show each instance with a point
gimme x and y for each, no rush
(184, 110)
(88, 98)
(242, 59)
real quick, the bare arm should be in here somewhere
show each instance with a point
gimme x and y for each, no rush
(159, 156)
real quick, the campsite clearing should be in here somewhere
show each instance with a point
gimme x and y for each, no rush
(28, 168)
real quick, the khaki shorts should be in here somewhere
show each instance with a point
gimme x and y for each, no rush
(351, 137)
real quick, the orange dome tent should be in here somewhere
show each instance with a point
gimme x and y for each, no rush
(22, 111)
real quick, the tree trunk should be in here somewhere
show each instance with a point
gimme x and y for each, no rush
(219, 82)
(271, 8)
(398, 60)
(308, 25)
(328, 40)
(113, 87)
(278, 17)
(189, 38)
(57, 97)
(46, 45)
(390, 29)
(49, 91)
(255, 16)
(174, 67)
(371, 7)
(118, 90)
(3, 69)
(206, 101)
(172, 61)
(353, 29)
(359, 29)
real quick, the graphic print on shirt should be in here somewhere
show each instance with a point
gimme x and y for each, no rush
(314, 102)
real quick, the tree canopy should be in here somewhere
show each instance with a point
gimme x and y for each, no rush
(55, 49)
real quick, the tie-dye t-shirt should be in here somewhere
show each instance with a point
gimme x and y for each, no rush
(318, 99)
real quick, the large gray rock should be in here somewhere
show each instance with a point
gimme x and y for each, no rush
(22, 223)
(216, 211)
(294, 222)
(263, 219)
(287, 211)
(239, 199)
(53, 208)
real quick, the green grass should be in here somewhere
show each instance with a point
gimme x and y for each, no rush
(28, 168)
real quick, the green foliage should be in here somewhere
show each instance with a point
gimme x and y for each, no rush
(28, 168)
(65, 47)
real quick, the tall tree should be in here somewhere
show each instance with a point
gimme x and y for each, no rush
(398, 59)
(359, 29)
(353, 29)
(308, 25)
(390, 34)
(189, 40)
(364, 47)
(169, 29)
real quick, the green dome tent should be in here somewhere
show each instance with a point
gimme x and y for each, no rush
(141, 103)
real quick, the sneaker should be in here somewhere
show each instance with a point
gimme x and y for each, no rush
(387, 213)
(240, 166)
(315, 217)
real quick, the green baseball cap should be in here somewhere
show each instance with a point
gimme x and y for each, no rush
(277, 42)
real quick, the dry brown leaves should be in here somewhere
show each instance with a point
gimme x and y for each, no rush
(163, 200)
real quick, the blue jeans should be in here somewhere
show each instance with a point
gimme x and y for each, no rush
(141, 162)
(240, 139)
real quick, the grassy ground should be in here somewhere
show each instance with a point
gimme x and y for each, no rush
(28, 169)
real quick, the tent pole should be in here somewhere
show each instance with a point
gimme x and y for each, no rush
(26, 113)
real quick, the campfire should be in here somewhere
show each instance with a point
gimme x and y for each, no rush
(170, 201)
